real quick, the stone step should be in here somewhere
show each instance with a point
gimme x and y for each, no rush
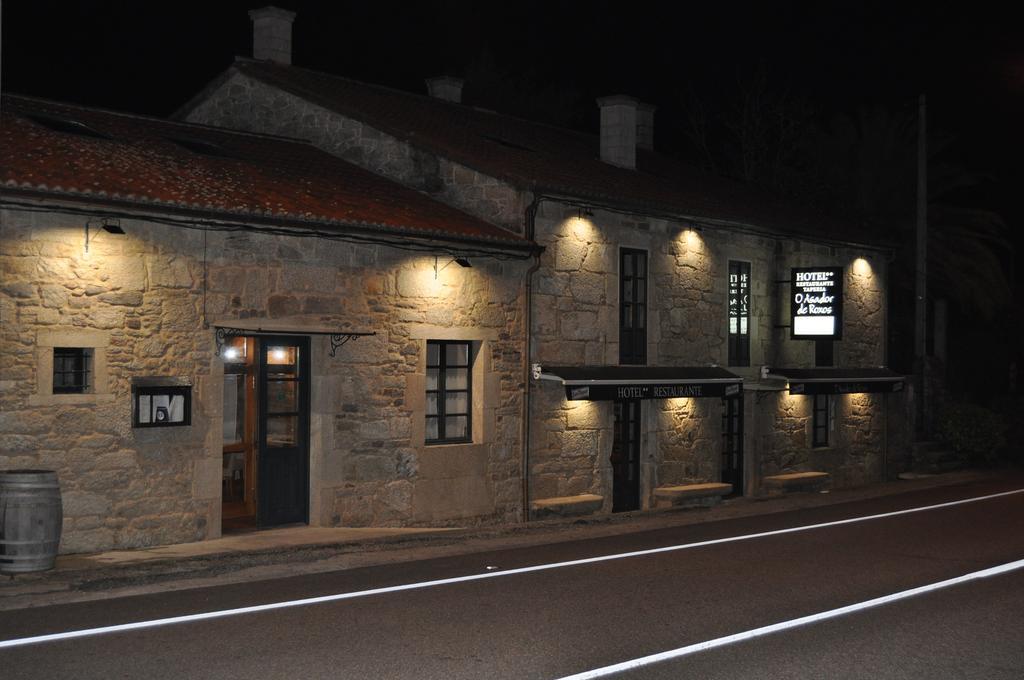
(708, 493)
(792, 482)
(566, 506)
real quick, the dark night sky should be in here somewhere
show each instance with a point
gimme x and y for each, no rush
(151, 57)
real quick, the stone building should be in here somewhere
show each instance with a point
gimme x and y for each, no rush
(426, 314)
(203, 330)
(651, 273)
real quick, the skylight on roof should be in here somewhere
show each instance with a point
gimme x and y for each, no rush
(66, 125)
(200, 146)
(506, 143)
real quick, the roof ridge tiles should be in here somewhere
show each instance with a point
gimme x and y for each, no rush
(154, 119)
(425, 97)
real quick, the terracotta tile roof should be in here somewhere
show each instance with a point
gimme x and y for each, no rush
(529, 154)
(199, 170)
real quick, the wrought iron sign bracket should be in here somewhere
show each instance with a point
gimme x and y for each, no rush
(338, 338)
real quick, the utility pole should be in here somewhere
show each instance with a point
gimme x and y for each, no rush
(921, 278)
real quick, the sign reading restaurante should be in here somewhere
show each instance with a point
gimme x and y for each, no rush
(816, 302)
(651, 391)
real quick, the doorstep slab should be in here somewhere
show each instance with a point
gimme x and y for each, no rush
(567, 506)
(707, 493)
(795, 482)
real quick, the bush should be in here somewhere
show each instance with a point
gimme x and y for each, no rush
(972, 431)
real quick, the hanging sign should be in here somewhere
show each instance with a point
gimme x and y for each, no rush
(816, 303)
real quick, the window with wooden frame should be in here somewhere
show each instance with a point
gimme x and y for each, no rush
(449, 392)
(822, 420)
(739, 313)
(632, 306)
(72, 370)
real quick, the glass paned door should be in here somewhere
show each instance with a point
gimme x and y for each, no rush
(732, 443)
(283, 431)
(626, 457)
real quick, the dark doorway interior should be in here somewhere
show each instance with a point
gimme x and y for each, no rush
(626, 457)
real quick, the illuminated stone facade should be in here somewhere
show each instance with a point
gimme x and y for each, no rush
(139, 301)
(575, 316)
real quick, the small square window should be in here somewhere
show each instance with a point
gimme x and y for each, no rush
(72, 370)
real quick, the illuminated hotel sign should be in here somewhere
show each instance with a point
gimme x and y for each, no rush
(816, 303)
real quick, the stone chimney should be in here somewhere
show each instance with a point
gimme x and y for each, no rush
(619, 130)
(446, 88)
(645, 126)
(272, 34)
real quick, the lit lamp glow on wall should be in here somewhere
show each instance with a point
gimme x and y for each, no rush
(862, 267)
(692, 238)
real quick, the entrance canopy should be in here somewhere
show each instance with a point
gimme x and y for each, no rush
(595, 383)
(838, 380)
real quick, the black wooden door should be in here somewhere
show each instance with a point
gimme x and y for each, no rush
(732, 443)
(626, 457)
(283, 479)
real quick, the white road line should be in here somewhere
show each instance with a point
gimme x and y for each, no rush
(188, 618)
(793, 623)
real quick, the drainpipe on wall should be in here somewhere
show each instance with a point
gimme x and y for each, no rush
(530, 219)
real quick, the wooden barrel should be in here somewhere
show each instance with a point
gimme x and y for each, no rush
(30, 520)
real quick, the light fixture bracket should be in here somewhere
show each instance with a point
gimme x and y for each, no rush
(460, 260)
(111, 225)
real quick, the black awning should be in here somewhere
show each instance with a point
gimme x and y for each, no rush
(838, 380)
(596, 383)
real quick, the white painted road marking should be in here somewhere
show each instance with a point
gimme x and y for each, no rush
(793, 623)
(188, 618)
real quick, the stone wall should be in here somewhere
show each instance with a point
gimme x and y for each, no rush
(689, 435)
(242, 103)
(570, 445)
(864, 309)
(857, 443)
(575, 322)
(140, 301)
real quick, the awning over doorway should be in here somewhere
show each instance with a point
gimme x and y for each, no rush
(597, 383)
(838, 380)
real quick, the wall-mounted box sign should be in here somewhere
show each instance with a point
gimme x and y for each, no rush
(161, 402)
(816, 303)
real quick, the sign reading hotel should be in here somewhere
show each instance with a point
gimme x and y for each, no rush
(651, 391)
(816, 303)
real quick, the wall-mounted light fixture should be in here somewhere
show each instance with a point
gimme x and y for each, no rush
(107, 224)
(461, 261)
(584, 212)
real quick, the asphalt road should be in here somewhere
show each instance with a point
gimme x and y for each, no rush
(556, 622)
